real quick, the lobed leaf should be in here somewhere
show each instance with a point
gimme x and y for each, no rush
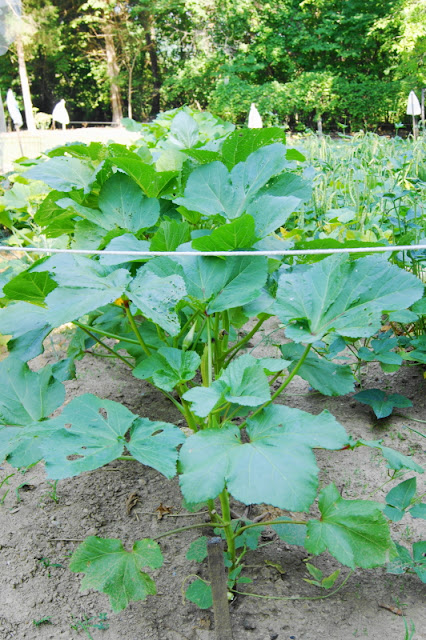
(157, 297)
(110, 569)
(353, 531)
(327, 377)
(27, 396)
(168, 367)
(337, 295)
(276, 466)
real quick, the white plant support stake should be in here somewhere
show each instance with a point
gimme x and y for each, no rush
(12, 107)
(60, 114)
(254, 119)
(413, 109)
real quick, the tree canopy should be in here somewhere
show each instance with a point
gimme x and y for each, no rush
(348, 62)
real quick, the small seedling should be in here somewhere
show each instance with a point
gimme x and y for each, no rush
(409, 632)
(95, 622)
(52, 494)
(46, 563)
(45, 620)
(5, 481)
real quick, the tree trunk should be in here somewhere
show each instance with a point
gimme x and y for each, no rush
(130, 89)
(153, 58)
(2, 118)
(113, 71)
(25, 85)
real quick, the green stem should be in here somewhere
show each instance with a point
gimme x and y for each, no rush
(136, 331)
(236, 347)
(257, 595)
(209, 354)
(284, 384)
(266, 523)
(107, 334)
(189, 416)
(105, 346)
(226, 515)
(400, 415)
(292, 374)
(172, 532)
(198, 336)
(213, 513)
(126, 458)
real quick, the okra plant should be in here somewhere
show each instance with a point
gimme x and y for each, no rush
(176, 322)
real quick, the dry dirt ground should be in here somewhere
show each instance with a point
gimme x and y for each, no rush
(38, 534)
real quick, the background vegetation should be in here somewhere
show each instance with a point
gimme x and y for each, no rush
(347, 62)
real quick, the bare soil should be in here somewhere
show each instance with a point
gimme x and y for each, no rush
(37, 534)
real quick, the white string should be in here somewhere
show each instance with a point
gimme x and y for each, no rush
(284, 252)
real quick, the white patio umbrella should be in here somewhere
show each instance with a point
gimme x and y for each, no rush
(60, 114)
(413, 109)
(12, 107)
(254, 119)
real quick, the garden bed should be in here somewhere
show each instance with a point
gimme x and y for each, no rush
(38, 534)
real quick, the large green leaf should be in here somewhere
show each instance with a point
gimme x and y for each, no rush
(337, 295)
(123, 204)
(276, 466)
(204, 276)
(243, 382)
(157, 297)
(30, 287)
(246, 278)
(168, 367)
(111, 569)
(183, 130)
(126, 242)
(250, 176)
(63, 174)
(211, 189)
(329, 378)
(238, 234)
(170, 235)
(28, 324)
(84, 285)
(152, 182)
(320, 431)
(208, 190)
(27, 396)
(289, 184)
(29, 345)
(91, 430)
(354, 531)
(240, 144)
(22, 317)
(271, 212)
(154, 444)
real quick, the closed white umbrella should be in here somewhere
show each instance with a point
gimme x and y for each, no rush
(12, 107)
(413, 109)
(60, 114)
(254, 119)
